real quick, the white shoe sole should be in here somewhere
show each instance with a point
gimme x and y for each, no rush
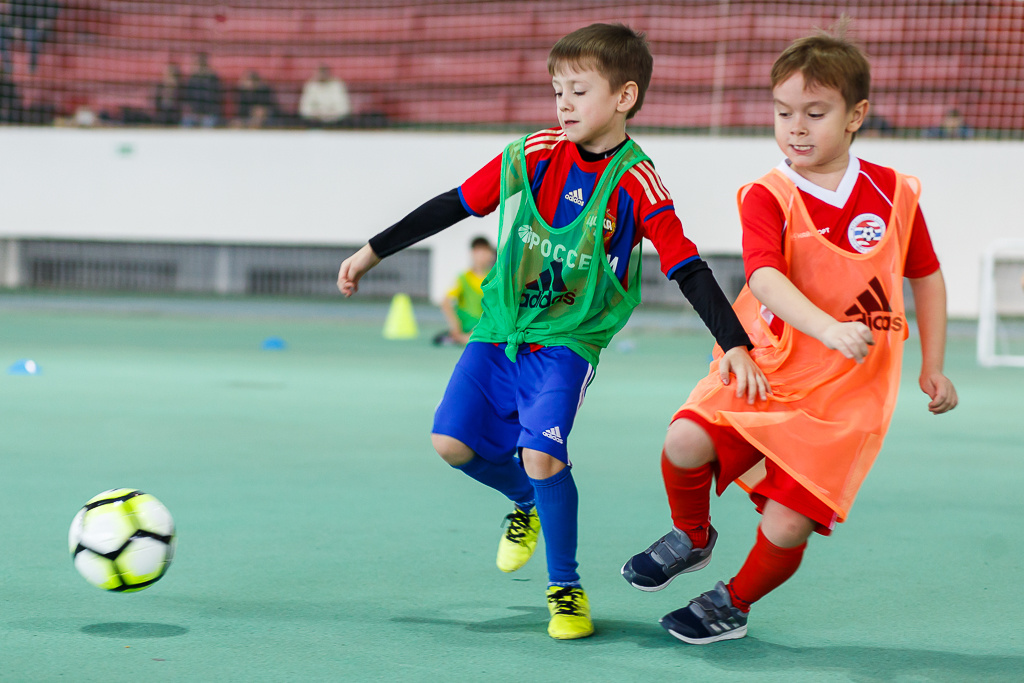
(730, 635)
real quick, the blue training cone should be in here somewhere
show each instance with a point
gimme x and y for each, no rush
(24, 367)
(273, 344)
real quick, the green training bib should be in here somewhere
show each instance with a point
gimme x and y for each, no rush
(554, 286)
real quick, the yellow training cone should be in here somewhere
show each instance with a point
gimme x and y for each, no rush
(400, 323)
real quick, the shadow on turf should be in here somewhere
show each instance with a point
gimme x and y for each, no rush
(134, 629)
(860, 664)
(757, 657)
(535, 619)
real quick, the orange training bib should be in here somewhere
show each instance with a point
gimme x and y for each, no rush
(827, 417)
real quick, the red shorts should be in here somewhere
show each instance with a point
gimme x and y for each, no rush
(736, 455)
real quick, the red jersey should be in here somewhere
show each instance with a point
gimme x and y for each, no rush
(562, 183)
(853, 217)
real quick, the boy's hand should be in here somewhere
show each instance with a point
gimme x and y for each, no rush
(355, 267)
(940, 390)
(749, 378)
(850, 339)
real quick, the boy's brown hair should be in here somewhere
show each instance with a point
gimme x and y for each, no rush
(617, 52)
(827, 58)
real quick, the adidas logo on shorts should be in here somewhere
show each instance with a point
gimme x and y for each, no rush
(576, 196)
(554, 434)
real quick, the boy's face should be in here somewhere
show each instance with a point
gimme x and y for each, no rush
(483, 259)
(813, 127)
(589, 111)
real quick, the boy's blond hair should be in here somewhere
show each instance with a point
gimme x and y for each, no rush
(616, 51)
(829, 59)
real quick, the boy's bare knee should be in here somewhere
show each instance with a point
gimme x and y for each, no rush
(784, 527)
(687, 445)
(451, 450)
(540, 465)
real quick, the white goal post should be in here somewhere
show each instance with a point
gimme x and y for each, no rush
(1001, 309)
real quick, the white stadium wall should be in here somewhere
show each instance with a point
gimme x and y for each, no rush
(339, 188)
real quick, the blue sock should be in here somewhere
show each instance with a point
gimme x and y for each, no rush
(507, 478)
(557, 506)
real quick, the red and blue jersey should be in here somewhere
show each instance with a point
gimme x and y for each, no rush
(563, 182)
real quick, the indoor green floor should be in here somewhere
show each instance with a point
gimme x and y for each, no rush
(320, 539)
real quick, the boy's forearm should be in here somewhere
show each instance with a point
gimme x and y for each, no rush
(430, 218)
(930, 303)
(781, 296)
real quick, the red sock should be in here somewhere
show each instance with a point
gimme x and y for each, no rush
(767, 567)
(689, 497)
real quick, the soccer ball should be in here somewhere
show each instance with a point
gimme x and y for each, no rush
(122, 540)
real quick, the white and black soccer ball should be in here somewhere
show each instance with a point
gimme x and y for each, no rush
(122, 540)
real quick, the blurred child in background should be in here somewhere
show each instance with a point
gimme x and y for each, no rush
(463, 305)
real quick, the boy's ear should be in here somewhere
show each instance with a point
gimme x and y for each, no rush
(859, 113)
(627, 97)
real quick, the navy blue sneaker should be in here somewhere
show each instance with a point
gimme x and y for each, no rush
(708, 618)
(668, 557)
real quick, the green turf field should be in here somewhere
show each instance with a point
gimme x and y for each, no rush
(321, 539)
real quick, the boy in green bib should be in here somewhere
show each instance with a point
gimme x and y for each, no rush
(575, 203)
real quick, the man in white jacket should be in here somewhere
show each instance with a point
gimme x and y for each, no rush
(324, 99)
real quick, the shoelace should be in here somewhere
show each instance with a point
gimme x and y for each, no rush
(565, 600)
(518, 524)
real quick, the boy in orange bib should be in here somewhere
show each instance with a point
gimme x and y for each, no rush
(827, 241)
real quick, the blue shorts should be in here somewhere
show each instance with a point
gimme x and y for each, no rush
(496, 407)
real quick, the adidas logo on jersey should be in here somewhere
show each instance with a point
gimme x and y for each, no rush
(555, 434)
(874, 310)
(576, 196)
(547, 290)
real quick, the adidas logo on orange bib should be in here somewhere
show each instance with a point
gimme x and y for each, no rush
(555, 434)
(874, 310)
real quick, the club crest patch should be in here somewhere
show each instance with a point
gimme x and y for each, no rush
(865, 232)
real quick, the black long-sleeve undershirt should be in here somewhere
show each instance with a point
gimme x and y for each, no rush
(702, 290)
(695, 279)
(430, 218)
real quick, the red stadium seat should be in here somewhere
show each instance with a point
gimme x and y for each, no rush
(450, 110)
(666, 26)
(490, 66)
(495, 23)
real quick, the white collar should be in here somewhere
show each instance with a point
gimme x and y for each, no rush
(837, 197)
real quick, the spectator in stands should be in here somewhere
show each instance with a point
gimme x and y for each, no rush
(10, 102)
(31, 20)
(167, 98)
(876, 126)
(257, 106)
(202, 96)
(952, 127)
(324, 100)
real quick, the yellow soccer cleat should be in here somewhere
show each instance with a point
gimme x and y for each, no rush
(519, 541)
(570, 613)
